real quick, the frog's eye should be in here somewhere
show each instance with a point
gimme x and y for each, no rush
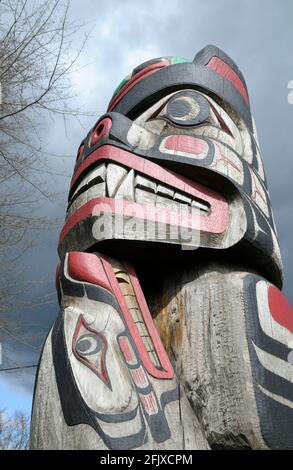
(186, 108)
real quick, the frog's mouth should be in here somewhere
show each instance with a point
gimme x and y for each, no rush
(113, 181)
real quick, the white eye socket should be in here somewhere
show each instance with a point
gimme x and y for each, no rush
(89, 344)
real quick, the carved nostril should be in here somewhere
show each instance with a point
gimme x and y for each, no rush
(101, 130)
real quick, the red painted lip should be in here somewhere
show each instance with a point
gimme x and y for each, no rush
(216, 222)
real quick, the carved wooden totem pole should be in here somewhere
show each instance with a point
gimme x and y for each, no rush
(172, 332)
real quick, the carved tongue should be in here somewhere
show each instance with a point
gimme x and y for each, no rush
(134, 308)
(127, 290)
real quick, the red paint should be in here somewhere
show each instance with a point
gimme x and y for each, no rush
(148, 319)
(124, 346)
(280, 308)
(102, 128)
(78, 215)
(149, 403)
(139, 377)
(87, 267)
(167, 370)
(80, 152)
(135, 80)
(186, 144)
(221, 121)
(223, 69)
(215, 222)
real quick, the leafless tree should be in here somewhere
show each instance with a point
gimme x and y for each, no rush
(14, 431)
(37, 55)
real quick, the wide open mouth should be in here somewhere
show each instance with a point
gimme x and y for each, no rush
(113, 187)
(115, 181)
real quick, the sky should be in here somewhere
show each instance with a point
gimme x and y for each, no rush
(257, 34)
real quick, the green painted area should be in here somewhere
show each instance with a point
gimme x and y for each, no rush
(179, 60)
(173, 60)
(121, 84)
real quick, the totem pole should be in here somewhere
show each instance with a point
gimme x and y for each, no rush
(172, 332)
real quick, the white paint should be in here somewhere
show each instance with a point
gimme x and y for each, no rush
(274, 364)
(276, 397)
(115, 174)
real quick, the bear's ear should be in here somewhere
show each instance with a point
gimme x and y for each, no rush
(215, 59)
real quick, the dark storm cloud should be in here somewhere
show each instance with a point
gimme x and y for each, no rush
(256, 34)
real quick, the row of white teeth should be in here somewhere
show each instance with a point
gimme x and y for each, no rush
(117, 182)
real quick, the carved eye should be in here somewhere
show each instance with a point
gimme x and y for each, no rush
(90, 347)
(187, 108)
(89, 344)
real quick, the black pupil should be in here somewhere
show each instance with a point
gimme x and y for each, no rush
(84, 345)
(89, 344)
(179, 108)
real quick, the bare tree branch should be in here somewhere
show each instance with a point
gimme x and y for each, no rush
(14, 431)
(37, 56)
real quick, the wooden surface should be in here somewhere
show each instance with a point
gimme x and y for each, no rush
(173, 333)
